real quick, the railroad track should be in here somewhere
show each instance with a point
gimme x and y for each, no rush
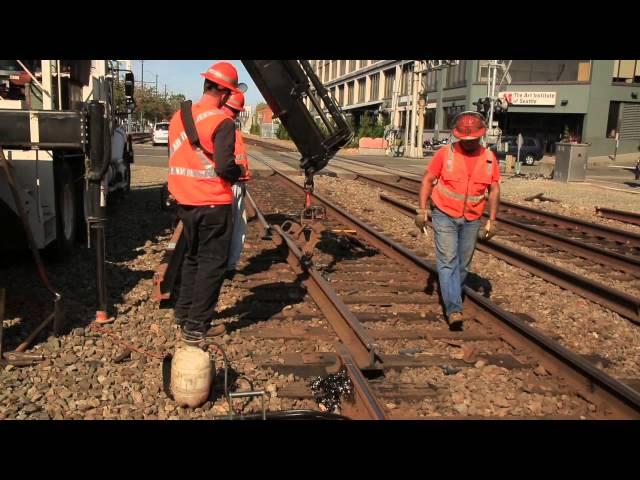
(603, 253)
(388, 325)
(632, 218)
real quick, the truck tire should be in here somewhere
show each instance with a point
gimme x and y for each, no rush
(66, 208)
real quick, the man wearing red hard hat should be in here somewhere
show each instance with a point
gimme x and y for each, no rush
(202, 170)
(233, 107)
(464, 171)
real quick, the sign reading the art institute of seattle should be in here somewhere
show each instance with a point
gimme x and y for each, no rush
(530, 98)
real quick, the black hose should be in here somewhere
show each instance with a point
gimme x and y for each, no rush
(288, 415)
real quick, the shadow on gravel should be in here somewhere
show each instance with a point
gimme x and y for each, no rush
(133, 220)
(480, 284)
(263, 261)
(343, 248)
(264, 302)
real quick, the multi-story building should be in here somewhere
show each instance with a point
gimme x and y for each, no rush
(595, 100)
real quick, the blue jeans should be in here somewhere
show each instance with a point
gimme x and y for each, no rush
(455, 240)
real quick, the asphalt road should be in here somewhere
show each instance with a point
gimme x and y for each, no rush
(147, 155)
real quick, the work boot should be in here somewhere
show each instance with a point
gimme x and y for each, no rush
(456, 321)
(194, 333)
(179, 320)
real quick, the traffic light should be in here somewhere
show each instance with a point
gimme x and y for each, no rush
(487, 106)
(483, 105)
(501, 105)
(479, 105)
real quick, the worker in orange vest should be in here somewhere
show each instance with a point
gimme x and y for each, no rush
(464, 172)
(202, 169)
(233, 107)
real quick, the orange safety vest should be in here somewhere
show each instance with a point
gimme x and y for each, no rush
(192, 178)
(241, 157)
(460, 193)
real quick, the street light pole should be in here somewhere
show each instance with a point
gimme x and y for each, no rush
(142, 88)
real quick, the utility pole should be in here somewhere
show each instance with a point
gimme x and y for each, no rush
(142, 88)
(418, 107)
(414, 109)
(491, 79)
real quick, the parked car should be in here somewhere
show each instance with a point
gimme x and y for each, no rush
(530, 152)
(160, 133)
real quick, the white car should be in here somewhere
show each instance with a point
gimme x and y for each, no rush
(161, 133)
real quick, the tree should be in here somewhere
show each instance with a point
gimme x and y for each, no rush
(155, 107)
(282, 133)
(120, 100)
(255, 127)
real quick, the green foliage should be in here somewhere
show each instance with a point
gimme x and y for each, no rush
(282, 133)
(255, 127)
(371, 128)
(154, 107)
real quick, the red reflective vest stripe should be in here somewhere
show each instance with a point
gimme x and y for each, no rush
(192, 178)
(241, 156)
(460, 193)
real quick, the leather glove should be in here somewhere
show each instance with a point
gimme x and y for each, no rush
(489, 231)
(421, 218)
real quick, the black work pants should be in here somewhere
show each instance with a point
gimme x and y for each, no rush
(207, 231)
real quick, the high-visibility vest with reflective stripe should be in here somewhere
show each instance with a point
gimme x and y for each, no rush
(192, 178)
(241, 156)
(459, 192)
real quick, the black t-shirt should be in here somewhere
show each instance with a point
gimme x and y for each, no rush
(224, 142)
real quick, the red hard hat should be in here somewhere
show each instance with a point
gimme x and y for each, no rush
(469, 126)
(236, 102)
(223, 74)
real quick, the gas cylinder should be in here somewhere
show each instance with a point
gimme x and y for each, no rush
(191, 375)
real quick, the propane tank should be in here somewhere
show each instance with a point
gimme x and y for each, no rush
(191, 376)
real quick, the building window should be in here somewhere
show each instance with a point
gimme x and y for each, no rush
(389, 78)
(432, 81)
(352, 65)
(626, 71)
(407, 71)
(543, 71)
(374, 92)
(343, 67)
(456, 75)
(430, 119)
(350, 90)
(613, 122)
(549, 71)
(334, 69)
(341, 95)
(450, 113)
(361, 86)
(327, 66)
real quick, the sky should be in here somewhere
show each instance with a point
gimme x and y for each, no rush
(183, 76)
